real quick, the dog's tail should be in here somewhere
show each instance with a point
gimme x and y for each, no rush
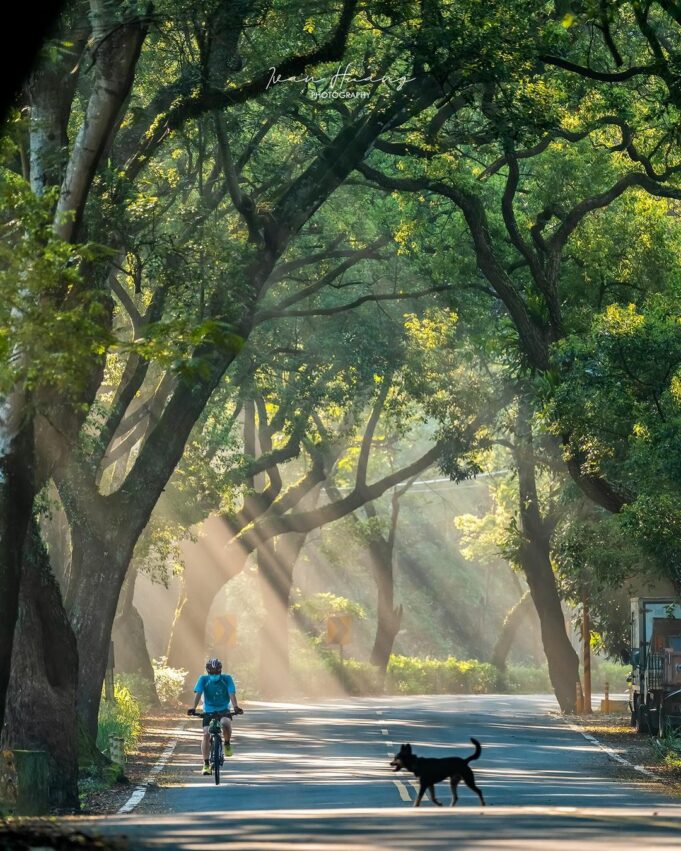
(476, 754)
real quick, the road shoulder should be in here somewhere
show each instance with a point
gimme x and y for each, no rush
(159, 727)
(643, 756)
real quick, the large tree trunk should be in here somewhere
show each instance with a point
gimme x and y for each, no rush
(49, 115)
(119, 43)
(275, 574)
(56, 533)
(130, 645)
(389, 616)
(534, 556)
(381, 555)
(17, 490)
(516, 615)
(99, 563)
(562, 659)
(41, 712)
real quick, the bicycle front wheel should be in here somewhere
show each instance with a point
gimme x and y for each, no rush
(217, 758)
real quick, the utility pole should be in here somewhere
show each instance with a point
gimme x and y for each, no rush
(586, 646)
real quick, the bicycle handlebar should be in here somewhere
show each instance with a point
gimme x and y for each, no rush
(194, 714)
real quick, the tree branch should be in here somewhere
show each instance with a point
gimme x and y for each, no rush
(602, 76)
(213, 99)
(270, 526)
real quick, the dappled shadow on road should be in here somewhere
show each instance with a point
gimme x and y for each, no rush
(336, 753)
(502, 828)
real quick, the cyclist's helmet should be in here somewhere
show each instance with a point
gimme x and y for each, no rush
(214, 666)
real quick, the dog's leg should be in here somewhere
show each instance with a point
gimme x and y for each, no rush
(469, 780)
(431, 792)
(454, 782)
(419, 797)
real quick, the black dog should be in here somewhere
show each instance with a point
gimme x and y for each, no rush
(432, 771)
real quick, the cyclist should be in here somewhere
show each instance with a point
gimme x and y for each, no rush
(217, 690)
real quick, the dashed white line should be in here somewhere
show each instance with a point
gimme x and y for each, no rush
(141, 790)
(402, 789)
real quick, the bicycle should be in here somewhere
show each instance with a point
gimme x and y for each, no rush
(217, 755)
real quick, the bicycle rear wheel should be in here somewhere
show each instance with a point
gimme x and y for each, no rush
(217, 758)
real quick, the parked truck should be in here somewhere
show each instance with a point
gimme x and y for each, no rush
(655, 681)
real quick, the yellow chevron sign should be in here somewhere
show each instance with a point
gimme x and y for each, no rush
(224, 630)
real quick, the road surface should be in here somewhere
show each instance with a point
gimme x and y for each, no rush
(317, 774)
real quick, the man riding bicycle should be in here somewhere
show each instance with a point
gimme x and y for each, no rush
(217, 690)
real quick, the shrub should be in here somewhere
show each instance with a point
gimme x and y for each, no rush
(120, 717)
(613, 672)
(353, 676)
(410, 675)
(140, 688)
(321, 606)
(169, 681)
(527, 679)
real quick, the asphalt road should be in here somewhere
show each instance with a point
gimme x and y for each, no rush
(317, 774)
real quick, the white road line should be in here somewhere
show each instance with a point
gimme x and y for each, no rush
(141, 790)
(610, 752)
(402, 789)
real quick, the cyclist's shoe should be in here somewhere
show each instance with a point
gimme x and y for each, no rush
(228, 750)
(206, 769)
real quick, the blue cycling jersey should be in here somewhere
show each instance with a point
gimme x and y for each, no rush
(216, 689)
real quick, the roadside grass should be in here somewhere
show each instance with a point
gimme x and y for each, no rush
(91, 783)
(668, 749)
(99, 797)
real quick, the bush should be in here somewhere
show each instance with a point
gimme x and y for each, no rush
(169, 681)
(527, 679)
(140, 688)
(613, 672)
(358, 678)
(120, 717)
(410, 675)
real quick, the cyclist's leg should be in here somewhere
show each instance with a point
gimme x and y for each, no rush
(226, 728)
(205, 742)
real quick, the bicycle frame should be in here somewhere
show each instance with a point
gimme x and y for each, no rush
(216, 753)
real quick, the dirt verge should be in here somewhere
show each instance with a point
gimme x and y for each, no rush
(156, 729)
(658, 756)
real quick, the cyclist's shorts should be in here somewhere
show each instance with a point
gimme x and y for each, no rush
(223, 713)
